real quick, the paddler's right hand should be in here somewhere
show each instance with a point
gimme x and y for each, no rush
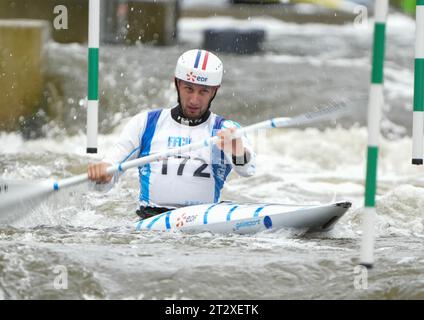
(97, 172)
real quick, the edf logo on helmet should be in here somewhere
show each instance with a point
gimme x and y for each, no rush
(199, 66)
(193, 78)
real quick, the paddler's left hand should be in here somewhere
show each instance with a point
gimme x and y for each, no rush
(235, 147)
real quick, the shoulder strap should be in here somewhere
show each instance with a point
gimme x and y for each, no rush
(149, 131)
(216, 127)
(218, 124)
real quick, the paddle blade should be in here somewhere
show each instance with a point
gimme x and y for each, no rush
(19, 198)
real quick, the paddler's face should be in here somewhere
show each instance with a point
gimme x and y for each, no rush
(195, 98)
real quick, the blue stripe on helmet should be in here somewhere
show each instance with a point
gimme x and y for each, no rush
(196, 63)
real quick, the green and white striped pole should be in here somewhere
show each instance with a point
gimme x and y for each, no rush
(375, 105)
(418, 116)
(93, 75)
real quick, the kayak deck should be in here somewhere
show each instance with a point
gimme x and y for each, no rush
(241, 218)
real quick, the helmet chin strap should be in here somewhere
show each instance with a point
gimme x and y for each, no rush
(178, 90)
(179, 99)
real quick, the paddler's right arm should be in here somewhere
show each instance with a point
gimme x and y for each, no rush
(126, 148)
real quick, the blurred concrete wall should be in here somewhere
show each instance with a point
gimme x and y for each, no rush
(21, 69)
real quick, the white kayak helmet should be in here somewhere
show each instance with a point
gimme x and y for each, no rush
(199, 67)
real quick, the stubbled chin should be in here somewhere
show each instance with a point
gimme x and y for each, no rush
(193, 113)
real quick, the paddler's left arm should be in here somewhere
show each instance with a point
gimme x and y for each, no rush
(238, 151)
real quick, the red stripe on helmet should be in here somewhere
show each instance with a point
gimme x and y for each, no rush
(205, 60)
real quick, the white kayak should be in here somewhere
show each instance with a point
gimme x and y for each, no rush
(230, 217)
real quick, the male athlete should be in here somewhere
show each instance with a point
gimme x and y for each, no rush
(188, 179)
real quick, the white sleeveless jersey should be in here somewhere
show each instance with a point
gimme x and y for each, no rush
(190, 178)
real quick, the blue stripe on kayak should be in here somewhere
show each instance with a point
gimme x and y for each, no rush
(138, 227)
(149, 226)
(168, 225)
(55, 186)
(230, 212)
(205, 217)
(256, 214)
(196, 63)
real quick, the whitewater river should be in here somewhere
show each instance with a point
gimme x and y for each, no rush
(90, 236)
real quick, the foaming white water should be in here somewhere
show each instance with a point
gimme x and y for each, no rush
(399, 83)
(335, 151)
(11, 142)
(72, 145)
(399, 212)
